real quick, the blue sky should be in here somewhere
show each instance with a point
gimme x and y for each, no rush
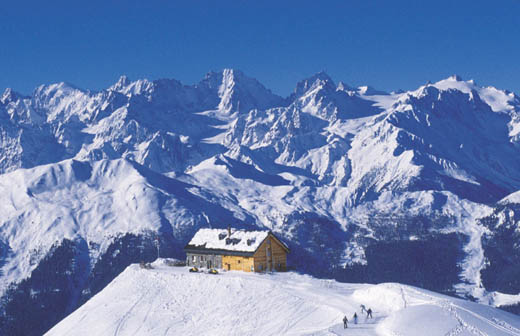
(387, 44)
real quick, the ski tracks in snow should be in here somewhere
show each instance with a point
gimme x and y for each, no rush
(463, 325)
(495, 323)
(171, 301)
(144, 300)
(128, 314)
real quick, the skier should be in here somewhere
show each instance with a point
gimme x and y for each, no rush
(355, 318)
(369, 313)
(363, 308)
(345, 322)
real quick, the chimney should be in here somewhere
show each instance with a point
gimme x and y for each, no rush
(229, 231)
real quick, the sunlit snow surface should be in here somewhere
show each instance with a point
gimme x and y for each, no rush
(171, 301)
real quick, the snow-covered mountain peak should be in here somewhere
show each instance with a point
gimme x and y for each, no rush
(455, 83)
(227, 89)
(498, 100)
(125, 86)
(60, 88)
(448, 130)
(367, 90)
(227, 78)
(231, 74)
(345, 87)
(319, 96)
(442, 91)
(455, 78)
(237, 92)
(121, 83)
(10, 95)
(58, 102)
(450, 102)
(318, 81)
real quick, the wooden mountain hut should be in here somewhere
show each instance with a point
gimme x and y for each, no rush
(239, 250)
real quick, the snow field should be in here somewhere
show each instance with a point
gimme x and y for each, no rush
(171, 301)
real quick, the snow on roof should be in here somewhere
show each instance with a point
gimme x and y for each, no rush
(240, 240)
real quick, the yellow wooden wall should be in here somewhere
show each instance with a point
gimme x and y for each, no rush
(278, 258)
(237, 263)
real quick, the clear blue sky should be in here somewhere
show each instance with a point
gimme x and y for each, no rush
(386, 44)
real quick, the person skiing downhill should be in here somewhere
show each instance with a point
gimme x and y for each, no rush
(355, 318)
(345, 320)
(369, 313)
(363, 308)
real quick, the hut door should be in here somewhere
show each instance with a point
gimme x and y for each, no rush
(209, 263)
(228, 267)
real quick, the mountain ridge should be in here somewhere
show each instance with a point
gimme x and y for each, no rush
(355, 179)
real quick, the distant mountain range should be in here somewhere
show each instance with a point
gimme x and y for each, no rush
(419, 187)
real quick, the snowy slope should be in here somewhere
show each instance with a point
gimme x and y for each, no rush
(171, 301)
(93, 203)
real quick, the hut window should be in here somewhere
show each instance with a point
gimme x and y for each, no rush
(201, 258)
(232, 241)
(268, 253)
